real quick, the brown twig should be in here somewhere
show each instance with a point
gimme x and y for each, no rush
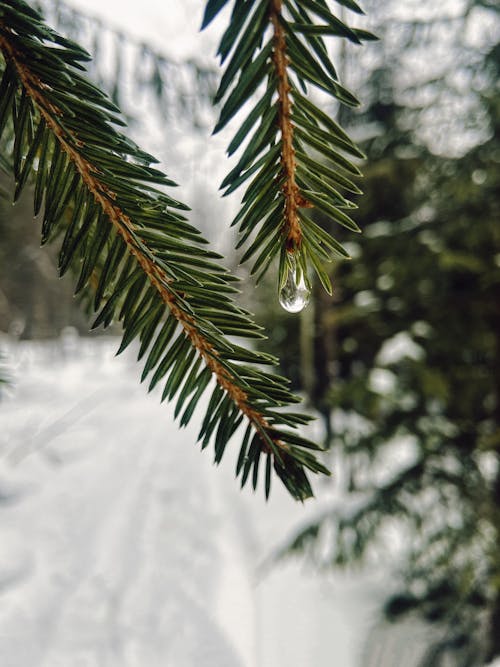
(292, 231)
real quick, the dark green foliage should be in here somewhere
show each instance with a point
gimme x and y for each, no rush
(321, 166)
(135, 254)
(416, 394)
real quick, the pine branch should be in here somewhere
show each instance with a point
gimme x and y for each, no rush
(297, 156)
(292, 232)
(136, 253)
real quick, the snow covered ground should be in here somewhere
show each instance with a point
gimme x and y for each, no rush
(121, 545)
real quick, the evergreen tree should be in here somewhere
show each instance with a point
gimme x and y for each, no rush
(416, 391)
(138, 259)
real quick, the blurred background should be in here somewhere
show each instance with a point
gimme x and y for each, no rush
(119, 545)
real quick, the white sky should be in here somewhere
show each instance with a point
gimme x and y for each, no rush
(170, 26)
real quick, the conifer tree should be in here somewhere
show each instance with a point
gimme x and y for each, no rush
(128, 240)
(416, 421)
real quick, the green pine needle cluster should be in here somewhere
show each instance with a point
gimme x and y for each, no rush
(135, 253)
(136, 256)
(296, 158)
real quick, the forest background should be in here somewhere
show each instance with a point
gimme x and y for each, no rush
(403, 361)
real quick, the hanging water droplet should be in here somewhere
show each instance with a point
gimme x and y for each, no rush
(294, 295)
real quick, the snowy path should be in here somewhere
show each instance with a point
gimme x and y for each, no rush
(122, 546)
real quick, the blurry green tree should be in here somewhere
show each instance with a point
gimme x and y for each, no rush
(412, 378)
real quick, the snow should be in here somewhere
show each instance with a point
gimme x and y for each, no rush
(121, 545)
(399, 347)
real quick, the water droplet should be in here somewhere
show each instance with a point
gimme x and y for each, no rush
(294, 295)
